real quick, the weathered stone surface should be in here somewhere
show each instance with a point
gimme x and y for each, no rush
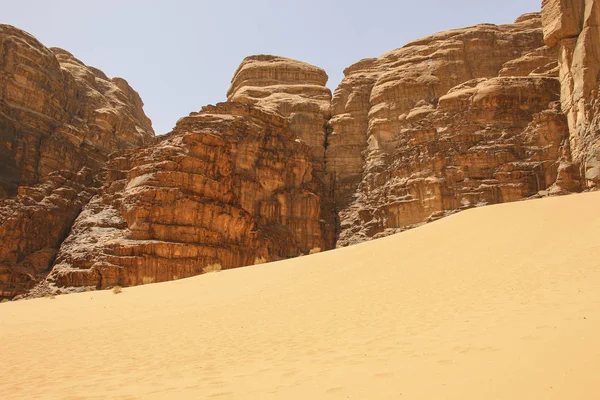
(349, 125)
(34, 223)
(574, 28)
(230, 185)
(542, 61)
(57, 113)
(296, 90)
(459, 119)
(59, 120)
(487, 141)
(292, 88)
(441, 124)
(562, 19)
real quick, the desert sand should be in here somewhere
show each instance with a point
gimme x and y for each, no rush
(499, 302)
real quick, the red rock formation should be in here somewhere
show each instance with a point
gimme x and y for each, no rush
(573, 28)
(33, 225)
(294, 89)
(488, 141)
(58, 119)
(57, 113)
(440, 125)
(458, 119)
(230, 185)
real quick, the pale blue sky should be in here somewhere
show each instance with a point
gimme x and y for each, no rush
(181, 54)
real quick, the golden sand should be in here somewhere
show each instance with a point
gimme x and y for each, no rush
(499, 302)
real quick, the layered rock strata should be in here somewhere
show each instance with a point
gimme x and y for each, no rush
(59, 120)
(57, 113)
(296, 90)
(454, 120)
(231, 185)
(33, 225)
(572, 27)
(459, 119)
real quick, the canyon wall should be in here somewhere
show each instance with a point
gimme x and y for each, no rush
(231, 185)
(572, 28)
(296, 90)
(235, 184)
(58, 114)
(458, 119)
(463, 118)
(59, 120)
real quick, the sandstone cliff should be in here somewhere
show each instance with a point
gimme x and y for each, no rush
(454, 120)
(572, 27)
(295, 90)
(57, 113)
(231, 185)
(59, 120)
(459, 119)
(34, 224)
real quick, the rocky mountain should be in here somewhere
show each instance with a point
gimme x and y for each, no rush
(294, 89)
(297, 91)
(458, 119)
(229, 186)
(59, 121)
(464, 118)
(57, 113)
(572, 28)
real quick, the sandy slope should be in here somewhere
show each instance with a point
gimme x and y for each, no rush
(500, 302)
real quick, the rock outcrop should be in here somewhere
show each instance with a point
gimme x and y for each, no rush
(297, 91)
(294, 89)
(458, 119)
(59, 120)
(58, 114)
(231, 185)
(468, 117)
(573, 28)
(34, 224)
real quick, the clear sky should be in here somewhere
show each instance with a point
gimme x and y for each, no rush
(181, 54)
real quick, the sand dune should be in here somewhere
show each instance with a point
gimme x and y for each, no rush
(500, 302)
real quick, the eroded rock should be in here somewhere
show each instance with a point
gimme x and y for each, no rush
(230, 185)
(443, 124)
(573, 27)
(57, 113)
(33, 225)
(294, 89)
(59, 120)
(459, 119)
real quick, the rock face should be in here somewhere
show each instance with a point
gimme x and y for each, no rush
(231, 185)
(33, 225)
(461, 118)
(57, 113)
(468, 117)
(294, 89)
(59, 120)
(573, 28)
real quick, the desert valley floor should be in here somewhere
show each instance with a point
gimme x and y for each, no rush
(498, 302)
